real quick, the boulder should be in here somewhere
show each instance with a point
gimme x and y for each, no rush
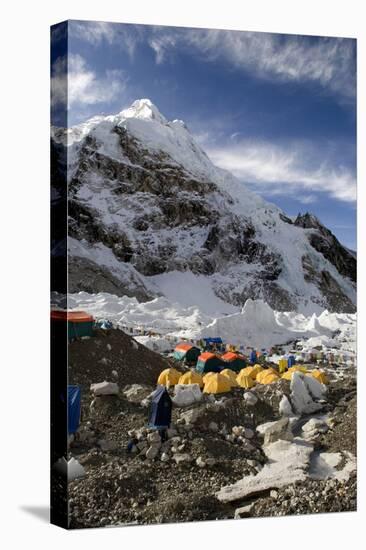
(305, 391)
(105, 388)
(288, 462)
(243, 511)
(186, 395)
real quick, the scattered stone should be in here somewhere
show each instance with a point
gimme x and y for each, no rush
(107, 445)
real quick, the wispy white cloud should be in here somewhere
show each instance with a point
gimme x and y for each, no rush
(328, 61)
(74, 83)
(291, 169)
(96, 32)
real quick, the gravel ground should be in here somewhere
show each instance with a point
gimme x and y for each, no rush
(124, 488)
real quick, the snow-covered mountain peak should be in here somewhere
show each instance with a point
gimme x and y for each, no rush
(145, 201)
(144, 109)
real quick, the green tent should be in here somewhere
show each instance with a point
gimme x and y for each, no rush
(209, 362)
(187, 353)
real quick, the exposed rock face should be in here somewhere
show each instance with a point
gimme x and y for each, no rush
(327, 244)
(144, 200)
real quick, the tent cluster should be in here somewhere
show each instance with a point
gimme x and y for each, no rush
(227, 379)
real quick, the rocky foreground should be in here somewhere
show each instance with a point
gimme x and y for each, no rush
(226, 456)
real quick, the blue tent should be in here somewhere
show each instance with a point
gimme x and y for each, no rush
(216, 340)
(290, 361)
(73, 408)
(160, 413)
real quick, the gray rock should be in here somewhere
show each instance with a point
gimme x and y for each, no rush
(152, 452)
(250, 398)
(154, 437)
(278, 430)
(243, 512)
(181, 458)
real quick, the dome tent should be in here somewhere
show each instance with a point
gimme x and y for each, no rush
(169, 377)
(267, 376)
(209, 362)
(252, 371)
(217, 384)
(230, 375)
(191, 377)
(187, 353)
(244, 380)
(235, 361)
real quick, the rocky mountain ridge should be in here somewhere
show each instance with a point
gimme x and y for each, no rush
(145, 200)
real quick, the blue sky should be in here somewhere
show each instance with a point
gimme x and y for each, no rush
(279, 111)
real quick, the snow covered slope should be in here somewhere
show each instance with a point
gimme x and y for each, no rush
(146, 205)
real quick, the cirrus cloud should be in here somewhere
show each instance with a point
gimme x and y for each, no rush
(290, 169)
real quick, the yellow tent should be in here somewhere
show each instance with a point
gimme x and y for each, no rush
(231, 375)
(298, 368)
(244, 380)
(191, 377)
(288, 375)
(282, 365)
(252, 371)
(169, 377)
(267, 377)
(217, 384)
(207, 376)
(320, 376)
(256, 370)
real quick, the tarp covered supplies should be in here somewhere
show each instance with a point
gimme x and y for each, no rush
(169, 377)
(79, 323)
(73, 408)
(291, 361)
(160, 412)
(217, 384)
